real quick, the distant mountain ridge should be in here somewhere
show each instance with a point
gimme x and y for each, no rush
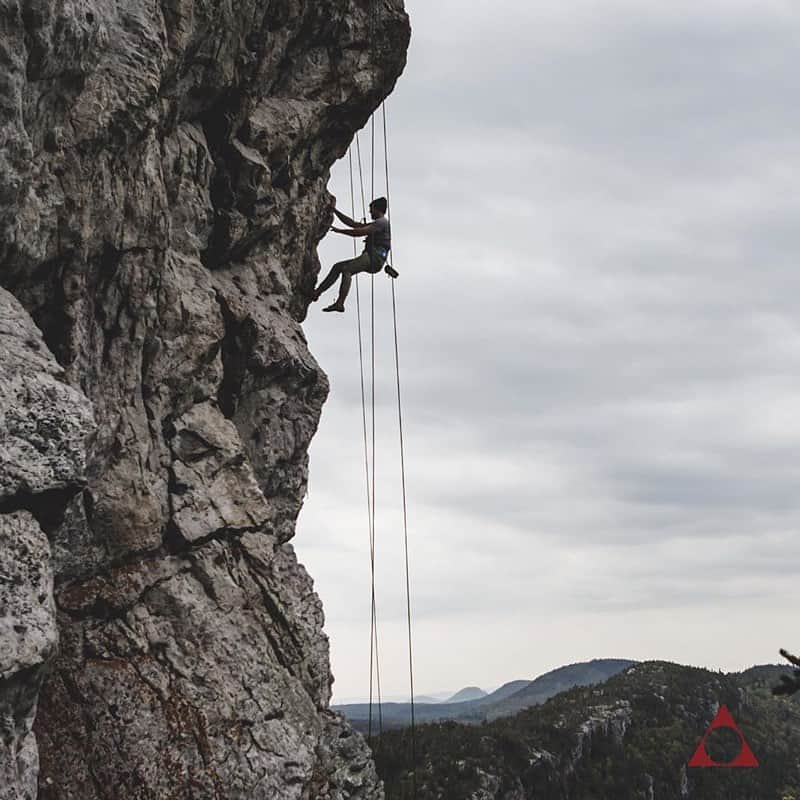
(466, 694)
(507, 699)
(558, 680)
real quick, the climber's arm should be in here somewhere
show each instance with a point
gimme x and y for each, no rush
(359, 230)
(344, 218)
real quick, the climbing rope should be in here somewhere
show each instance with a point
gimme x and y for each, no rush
(402, 472)
(370, 474)
(374, 661)
(373, 19)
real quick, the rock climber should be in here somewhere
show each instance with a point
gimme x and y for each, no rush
(377, 244)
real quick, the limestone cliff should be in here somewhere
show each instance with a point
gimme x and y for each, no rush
(163, 166)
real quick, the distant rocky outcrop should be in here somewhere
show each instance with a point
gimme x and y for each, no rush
(163, 171)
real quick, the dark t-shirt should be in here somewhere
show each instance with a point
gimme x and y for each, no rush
(382, 237)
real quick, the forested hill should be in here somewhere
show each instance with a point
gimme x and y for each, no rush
(508, 699)
(628, 739)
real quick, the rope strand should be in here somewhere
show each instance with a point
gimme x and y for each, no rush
(372, 398)
(374, 662)
(402, 475)
(372, 21)
(370, 474)
(405, 541)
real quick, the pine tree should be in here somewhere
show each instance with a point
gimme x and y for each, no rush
(789, 683)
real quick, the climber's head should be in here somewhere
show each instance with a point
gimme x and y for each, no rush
(377, 208)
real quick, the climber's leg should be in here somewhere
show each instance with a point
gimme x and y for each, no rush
(331, 277)
(347, 270)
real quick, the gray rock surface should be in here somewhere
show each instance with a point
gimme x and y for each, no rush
(44, 426)
(163, 166)
(43, 422)
(28, 633)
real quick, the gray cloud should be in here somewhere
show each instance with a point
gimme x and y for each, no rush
(594, 214)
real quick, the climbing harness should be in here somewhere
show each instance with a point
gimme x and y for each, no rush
(377, 257)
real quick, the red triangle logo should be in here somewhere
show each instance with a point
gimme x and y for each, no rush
(701, 758)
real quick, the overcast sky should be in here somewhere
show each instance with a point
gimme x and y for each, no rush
(595, 214)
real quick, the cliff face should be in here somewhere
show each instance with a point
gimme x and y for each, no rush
(43, 428)
(162, 191)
